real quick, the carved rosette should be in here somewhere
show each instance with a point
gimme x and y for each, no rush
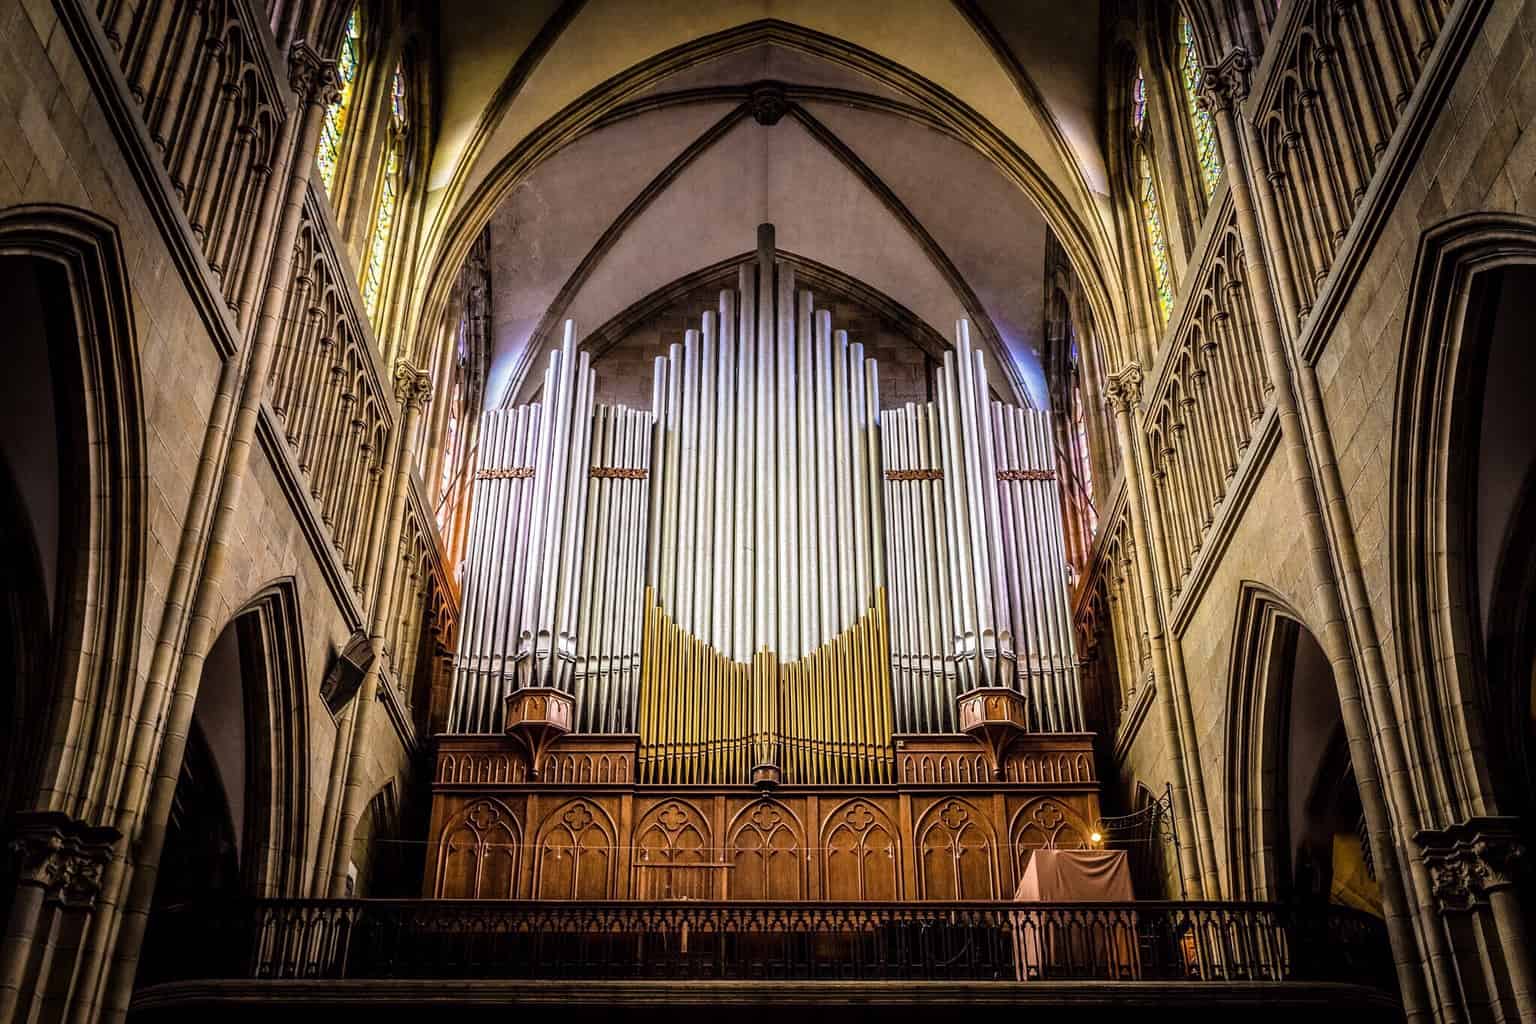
(1470, 861)
(768, 103)
(413, 387)
(1124, 388)
(62, 856)
(312, 77)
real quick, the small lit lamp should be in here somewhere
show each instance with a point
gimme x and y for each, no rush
(1096, 837)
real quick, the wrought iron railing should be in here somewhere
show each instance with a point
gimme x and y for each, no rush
(927, 941)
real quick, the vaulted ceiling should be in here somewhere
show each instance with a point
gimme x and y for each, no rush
(920, 147)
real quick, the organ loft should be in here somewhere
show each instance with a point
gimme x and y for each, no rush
(765, 639)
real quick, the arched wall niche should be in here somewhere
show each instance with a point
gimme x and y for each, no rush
(1045, 824)
(861, 858)
(957, 853)
(765, 849)
(86, 556)
(1461, 529)
(576, 854)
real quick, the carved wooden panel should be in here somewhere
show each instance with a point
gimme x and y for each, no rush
(860, 853)
(673, 856)
(577, 854)
(1037, 759)
(500, 836)
(765, 852)
(1061, 766)
(1047, 824)
(956, 853)
(480, 768)
(479, 853)
(602, 767)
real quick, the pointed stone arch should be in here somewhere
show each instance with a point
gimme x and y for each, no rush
(1255, 728)
(1447, 707)
(88, 687)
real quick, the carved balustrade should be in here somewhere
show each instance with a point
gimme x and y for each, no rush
(1336, 77)
(216, 104)
(1110, 609)
(1210, 393)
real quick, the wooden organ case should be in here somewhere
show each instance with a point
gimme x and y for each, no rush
(764, 641)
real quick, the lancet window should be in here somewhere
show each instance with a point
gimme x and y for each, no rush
(1202, 125)
(333, 131)
(1147, 199)
(387, 207)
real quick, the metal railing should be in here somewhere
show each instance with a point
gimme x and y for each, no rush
(913, 941)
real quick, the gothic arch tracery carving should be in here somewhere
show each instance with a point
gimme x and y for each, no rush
(481, 849)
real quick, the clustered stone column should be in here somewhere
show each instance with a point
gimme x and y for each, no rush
(413, 389)
(59, 862)
(1124, 394)
(1475, 867)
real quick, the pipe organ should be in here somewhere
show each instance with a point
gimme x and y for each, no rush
(765, 582)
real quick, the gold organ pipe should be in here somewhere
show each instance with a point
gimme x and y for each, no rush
(825, 718)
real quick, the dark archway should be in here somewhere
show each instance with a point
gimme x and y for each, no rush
(237, 827)
(1462, 520)
(1500, 525)
(72, 504)
(1295, 823)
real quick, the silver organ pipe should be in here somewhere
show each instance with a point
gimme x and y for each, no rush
(843, 570)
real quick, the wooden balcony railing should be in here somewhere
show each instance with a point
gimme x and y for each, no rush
(929, 941)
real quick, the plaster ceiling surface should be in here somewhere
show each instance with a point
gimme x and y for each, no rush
(551, 220)
(754, 175)
(989, 230)
(478, 44)
(1061, 56)
(931, 38)
(773, 63)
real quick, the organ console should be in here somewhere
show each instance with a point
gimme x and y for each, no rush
(721, 632)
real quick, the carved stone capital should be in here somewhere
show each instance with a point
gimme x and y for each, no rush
(1225, 83)
(62, 856)
(412, 385)
(1124, 388)
(1469, 861)
(313, 78)
(768, 102)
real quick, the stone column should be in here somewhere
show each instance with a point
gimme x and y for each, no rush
(314, 82)
(1225, 87)
(59, 863)
(413, 388)
(1124, 393)
(1475, 867)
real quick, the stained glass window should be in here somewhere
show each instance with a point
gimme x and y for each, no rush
(1190, 72)
(389, 195)
(1139, 101)
(328, 152)
(1157, 241)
